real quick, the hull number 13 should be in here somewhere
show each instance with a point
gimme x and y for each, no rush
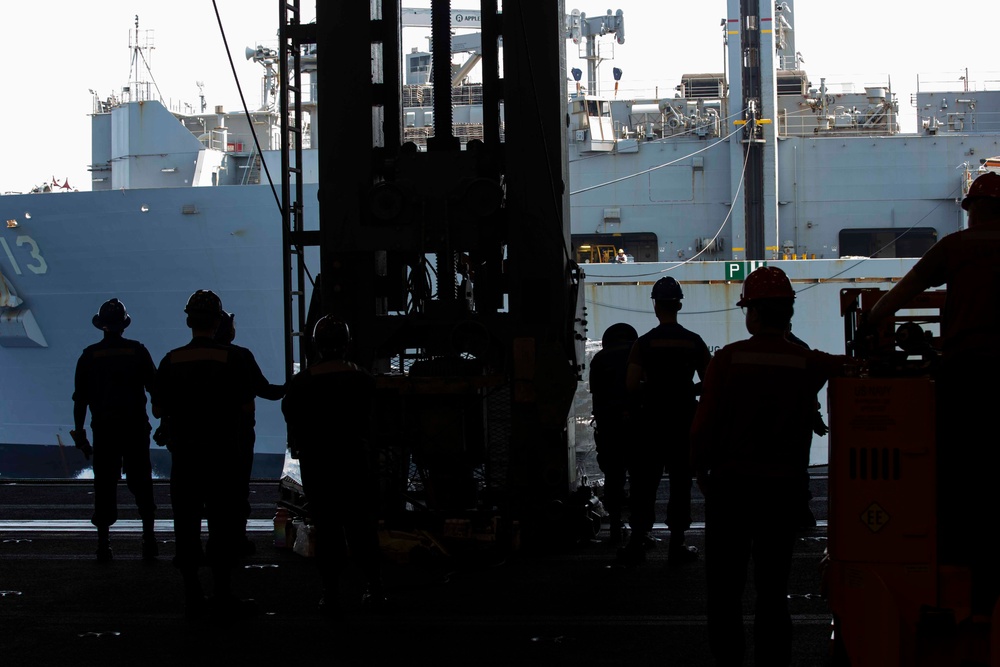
(26, 245)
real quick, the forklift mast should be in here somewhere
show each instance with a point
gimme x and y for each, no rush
(452, 265)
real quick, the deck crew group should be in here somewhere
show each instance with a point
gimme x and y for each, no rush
(742, 432)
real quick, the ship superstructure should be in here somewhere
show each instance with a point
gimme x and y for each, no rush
(668, 179)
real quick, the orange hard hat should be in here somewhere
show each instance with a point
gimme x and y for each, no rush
(767, 282)
(986, 185)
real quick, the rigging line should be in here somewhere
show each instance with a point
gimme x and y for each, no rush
(804, 289)
(133, 64)
(611, 306)
(950, 197)
(148, 69)
(652, 169)
(732, 207)
(246, 111)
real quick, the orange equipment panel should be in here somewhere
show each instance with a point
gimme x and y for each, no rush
(882, 530)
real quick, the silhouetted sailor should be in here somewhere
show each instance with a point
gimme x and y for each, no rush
(225, 334)
(204, 388)
(750, 442)
(806, 518)
(612, 418)
(661, 371)
(112, 378)
(329, 410)
(968, 262)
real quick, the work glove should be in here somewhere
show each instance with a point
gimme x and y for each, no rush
(819, 426)
(81, 442)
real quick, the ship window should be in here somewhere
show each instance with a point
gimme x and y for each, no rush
(420, 64)
(593, 248)
(792, 85)
(599, 108)
(886, 242)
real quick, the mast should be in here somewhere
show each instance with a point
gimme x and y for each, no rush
(754, 153)
(139, 89)
(752, 140)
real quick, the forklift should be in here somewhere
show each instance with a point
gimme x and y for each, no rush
(893, 602)
(452, 264)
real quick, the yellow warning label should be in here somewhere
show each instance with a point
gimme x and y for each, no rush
(874, 517)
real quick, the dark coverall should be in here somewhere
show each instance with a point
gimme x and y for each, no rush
(261, 389)
(750, 442)
(112, 378)
(669, 356)
(613, 431)
(205, 389)
(806, 517)
(329, 411)
(967, 396)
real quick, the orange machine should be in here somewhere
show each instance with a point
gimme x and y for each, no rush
(893, 604)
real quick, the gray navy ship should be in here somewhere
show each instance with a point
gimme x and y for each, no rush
(727, 174)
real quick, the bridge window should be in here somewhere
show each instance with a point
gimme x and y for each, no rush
(886, 242)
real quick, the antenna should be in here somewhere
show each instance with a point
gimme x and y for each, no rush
(267, 58)
(139, 89)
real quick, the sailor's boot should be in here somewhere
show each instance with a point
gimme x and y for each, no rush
(104, 554)
(149, 549)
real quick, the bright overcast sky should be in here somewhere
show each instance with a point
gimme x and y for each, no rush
(57, 53)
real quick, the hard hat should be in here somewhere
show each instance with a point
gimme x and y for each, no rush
(204, 302)
(331, 334)
(666, 289)
(621, 251)
(987, 185)
(112, 316)
(767, 282)
(619, 333)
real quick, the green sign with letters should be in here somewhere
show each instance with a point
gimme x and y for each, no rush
(740, 270)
